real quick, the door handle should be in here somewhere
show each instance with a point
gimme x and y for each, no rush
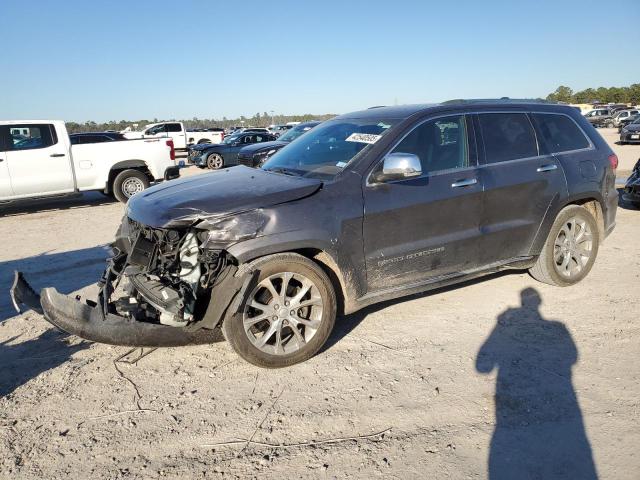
(547, 168)
(464, 183)
(57, 155)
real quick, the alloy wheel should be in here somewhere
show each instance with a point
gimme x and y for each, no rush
(573, 247)
(283, 313)
(215, 161)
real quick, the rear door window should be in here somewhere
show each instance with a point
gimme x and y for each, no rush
(174, 127)
(31, 136)
(559, 133)
(507, 136)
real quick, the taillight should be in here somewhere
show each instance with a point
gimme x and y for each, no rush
(222, 136)
(172, 153)
(613, 160)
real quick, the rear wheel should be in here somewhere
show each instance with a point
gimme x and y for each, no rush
(610, 125)
(129, 182)
(215, 161)
(287, 316)
(570, 250)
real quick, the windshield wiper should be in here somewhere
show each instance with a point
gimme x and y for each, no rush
(283, 170)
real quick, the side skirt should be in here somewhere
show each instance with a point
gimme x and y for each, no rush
(517, 263)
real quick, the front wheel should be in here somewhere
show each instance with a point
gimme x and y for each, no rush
(286, 317)
(610, 125)
(570, 250)
(129, 182)
(215, 161)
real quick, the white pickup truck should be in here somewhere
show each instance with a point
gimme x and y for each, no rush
(181, 137)
(37, 160)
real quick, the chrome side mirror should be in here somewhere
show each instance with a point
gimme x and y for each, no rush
(397, 166)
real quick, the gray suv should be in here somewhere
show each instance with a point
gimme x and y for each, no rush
(366, 207)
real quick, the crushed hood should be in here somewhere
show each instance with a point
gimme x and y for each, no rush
(188, 200)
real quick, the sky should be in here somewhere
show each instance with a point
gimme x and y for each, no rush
(87, 60)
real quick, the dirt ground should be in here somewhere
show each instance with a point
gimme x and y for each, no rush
(465, 382)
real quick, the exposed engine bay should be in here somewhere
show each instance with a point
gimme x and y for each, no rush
(165, 274)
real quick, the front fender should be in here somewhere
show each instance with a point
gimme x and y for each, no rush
(352, 280)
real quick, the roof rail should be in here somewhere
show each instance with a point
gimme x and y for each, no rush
(497, 100)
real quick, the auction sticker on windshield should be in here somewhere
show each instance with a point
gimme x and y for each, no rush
(363, 138)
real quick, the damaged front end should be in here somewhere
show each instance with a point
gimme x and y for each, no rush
(631, 191)
(162, 286)
(171, 279)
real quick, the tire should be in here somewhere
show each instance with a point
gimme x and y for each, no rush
(564, 247)
(610, 125)
(129, 182)
(308, 340)
(203, 140)
(215, 161)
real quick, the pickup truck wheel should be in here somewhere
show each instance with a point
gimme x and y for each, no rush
(129, 182)
(610, 125)
(215, 161)
(570, 250)
(286, 317)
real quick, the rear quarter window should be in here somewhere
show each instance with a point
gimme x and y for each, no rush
(560, 133)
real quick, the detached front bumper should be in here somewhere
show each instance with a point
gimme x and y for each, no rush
(89, 321)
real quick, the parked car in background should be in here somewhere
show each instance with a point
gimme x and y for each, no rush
(631, 192)
(630, 133)
(226, 153)
(599, 117)
(46, 163)
(96, 137)
(278, 130)
(616, 107)
(255, 155)
(177, 132)
(238, 130)
(622, 115)
(626, 121)
(367, 207)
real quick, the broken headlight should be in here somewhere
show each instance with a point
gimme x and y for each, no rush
(224, 231)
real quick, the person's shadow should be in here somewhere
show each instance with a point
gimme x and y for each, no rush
(539, 432)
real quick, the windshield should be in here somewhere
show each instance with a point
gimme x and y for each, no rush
(635, 120)
(294, 133)
(230, 139)
(327, 149)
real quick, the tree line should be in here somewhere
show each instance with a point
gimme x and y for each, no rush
(630, 94)
(258, 120)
